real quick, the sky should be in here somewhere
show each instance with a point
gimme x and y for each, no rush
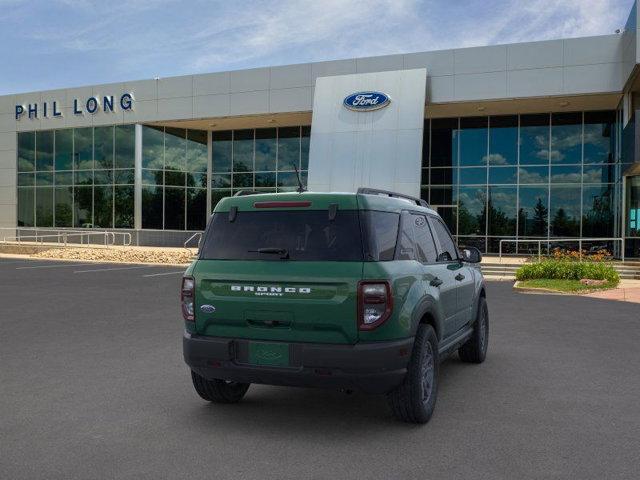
(48, 44)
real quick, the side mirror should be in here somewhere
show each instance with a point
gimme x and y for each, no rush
(471, 254)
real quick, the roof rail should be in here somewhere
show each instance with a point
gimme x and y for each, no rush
(376, 191)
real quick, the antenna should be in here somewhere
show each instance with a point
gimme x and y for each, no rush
(301, 188)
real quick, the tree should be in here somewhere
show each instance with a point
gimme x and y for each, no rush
(540, 219)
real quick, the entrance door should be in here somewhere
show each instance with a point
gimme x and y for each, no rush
(632, 215)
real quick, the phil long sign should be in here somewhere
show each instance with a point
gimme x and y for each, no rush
(91, 105)
(366, 101)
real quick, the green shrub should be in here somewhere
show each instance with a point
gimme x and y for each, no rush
(558, 269)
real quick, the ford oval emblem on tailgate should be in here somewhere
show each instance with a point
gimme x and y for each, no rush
(207, 308)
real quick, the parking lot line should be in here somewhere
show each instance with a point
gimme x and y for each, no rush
(165, 273)
(114, 268)
(53, 266)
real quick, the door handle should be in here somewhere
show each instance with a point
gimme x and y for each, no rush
(459, 277)
(436, 282)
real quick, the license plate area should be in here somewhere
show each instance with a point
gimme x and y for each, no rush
(269, 354)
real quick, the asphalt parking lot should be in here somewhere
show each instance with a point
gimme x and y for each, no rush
(92, 385)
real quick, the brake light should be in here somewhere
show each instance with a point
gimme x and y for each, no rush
(375, 304)
(187, 295)
(281, 204)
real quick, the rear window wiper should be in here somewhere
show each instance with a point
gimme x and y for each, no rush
(283, 252)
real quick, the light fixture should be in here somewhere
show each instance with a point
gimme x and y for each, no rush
(564, 104)
(271, 120)
(482, 109)
(213, 124)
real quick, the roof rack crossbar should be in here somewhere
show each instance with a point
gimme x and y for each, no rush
(376, 191)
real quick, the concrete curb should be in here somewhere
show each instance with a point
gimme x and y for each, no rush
(75, 260)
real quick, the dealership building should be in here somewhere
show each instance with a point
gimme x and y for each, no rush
(519, 142)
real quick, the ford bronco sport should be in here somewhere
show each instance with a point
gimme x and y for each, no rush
(351, 291)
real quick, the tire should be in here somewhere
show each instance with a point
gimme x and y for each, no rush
(475, 349)
(219, 391)
(415, 400)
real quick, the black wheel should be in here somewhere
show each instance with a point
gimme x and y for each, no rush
(415, 400)
(475, 349)
(219, 391)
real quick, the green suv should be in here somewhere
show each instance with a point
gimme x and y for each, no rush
(355, 291)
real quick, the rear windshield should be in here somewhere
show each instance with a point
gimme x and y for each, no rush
(306, 235)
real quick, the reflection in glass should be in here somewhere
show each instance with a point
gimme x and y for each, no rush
(83, 148)
(266, 149)
(565, 211)
(243, 150)
(44, 207)
(26, 205)
(534, 139)
(443, 196)
(103, 147)
(534, 175)
(83, 206)
(444, 146)
(123, 201)
(125, 146)
(501, 210)
(44, 150)
(26, 179)
(566, 138)
(26, 151)
(444, 176)
(152, 147)
(44, 179)
(64, 149)
(597, 211)
(473, 141)
(305, 139)
(197, 151)
(221, 151)
(288, 148)
(174, 208)
(175, 149)
(471, 211)
(533, 212)
(571, 174)
(152, 207)
(599, 141)
(196, 208)
(503, 140)
(473, 176)
(502, 175)
(605, 173)
(103, 207)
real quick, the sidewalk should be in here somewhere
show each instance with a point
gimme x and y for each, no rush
(627, 291)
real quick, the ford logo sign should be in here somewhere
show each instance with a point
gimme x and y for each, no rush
(366, 101)
(207, 308)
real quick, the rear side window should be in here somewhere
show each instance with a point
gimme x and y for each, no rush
(447, 250)
(381, 232)
(306, 235)
(426, 248)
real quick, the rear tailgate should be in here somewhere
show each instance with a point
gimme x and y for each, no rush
(290, 301)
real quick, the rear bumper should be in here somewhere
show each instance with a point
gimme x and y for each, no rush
(369, 367)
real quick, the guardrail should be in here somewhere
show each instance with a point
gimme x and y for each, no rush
(65, 238)
(549, 242)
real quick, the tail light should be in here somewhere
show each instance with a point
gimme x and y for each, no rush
(187, 295)
(375, 304)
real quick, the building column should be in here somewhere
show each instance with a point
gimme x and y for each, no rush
(137, 196)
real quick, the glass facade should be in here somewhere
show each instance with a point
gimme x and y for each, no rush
(262, 159)
(538, 176)
(77, 177)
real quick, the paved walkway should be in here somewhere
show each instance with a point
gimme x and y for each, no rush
(627, 291)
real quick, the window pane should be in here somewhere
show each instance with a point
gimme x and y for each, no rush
(83, 177)
(152, 177)
(221, 181)
(175, 149)
(102, 177)
(473, 176)
(471, 211)
(82, 206)
(243, 150)
(217, 195)
(442, 196)
(565, 211)
(103, 147)
(444, 142)
(174, 208)
(123, 203)
(26, 179)
(176, 179)
(103, 207)
(196, 208)
(125, 152)
(44, 179)
(26, 151)
(501, 209)
(503, 140)
(197, 179)
(534, 175)
(152, 207)
(265, 179)
(599, 140)
(265, 149)
(599, 173)
(83, 148)
(534, 139)
(566, 174)
(566, 138)
(243, 180)
(152, 147)
(447, 250)
(473, 141)
(304, 147)
(425, 246)
(26, 202)
(597, 211)
(197, 151)
(64, 150)
(288, 148)
(500, 175)
(382, 232)
(450, 217)
(533, 213)
(221, 151)
(124, 176)
(444, 176)
(44, 207)
(44, 150)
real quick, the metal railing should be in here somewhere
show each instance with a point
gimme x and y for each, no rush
(549, 242)
(69, 237)
(197, 235)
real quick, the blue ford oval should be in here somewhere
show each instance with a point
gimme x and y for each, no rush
(366, 101)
